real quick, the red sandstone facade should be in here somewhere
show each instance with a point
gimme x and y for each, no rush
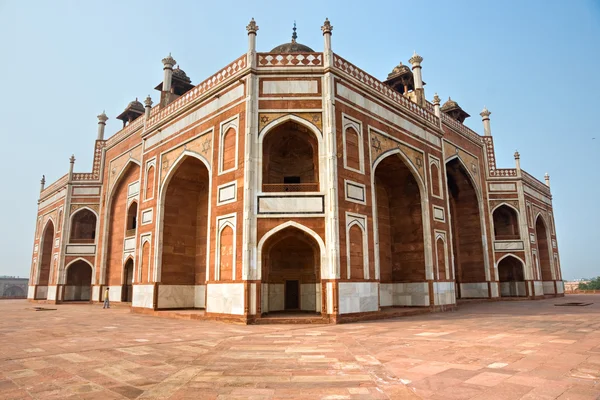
(293, 180)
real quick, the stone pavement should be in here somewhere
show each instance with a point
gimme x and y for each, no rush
(499, 350)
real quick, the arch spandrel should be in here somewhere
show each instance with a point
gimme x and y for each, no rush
(381, 144)
(201, 146)
(117, 165)
(77, 207)
(470, 162)
(496, 203)
(314, 118)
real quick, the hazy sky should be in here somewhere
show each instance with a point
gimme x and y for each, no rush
(534, 64)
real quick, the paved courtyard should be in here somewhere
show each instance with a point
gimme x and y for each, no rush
(501, 350)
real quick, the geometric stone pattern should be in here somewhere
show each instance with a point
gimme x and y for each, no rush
(498, 350)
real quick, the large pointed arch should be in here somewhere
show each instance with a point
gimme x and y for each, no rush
(131, 162)
(42, 276)
(543, 241)
(74, 214)
(427, 240)
(511, 276)
(506, 231)
(158, 244)
(455, 224)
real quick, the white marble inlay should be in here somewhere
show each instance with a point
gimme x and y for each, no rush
(548, 287)
(290, 205)
(52, 292)
(35, 248)
(147, 216)
(227, 193)
(308, 297)
(357, 297)
(264, 298)
(81, 249)
(444, 293)
(176, 296)
(503, 187)
(90, 191)
(289, 87)
(41, 292)
(512, 289)
(133, 189)
(535, 194)
(129, 244)
(538, 288)
(438, 213)
(474, 290)
(143, 296)
(75, 293)
(114, 293)
(560, 287)
(494, 289)
(508, 245)
(376, 109)
(355, 192)
(386, 291)
(532, 238)
(225, 298)
(56, 196)
(276, 297)
(96, 293)
(197, 115)
(200, 296)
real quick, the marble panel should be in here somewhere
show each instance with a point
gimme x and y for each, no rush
(114, 293)
(508, 245)
(143, 296)
(318, 297)
(56, 196)
(133, 189)
(276, 297)
(81, 249)
(252, 308)
(147, 216)
(494, 289)
(200, 296)
(79, 191)
(308, 297)
(96, 293)
(358, 297)
(329, 294)
(548, 287)
(76, 293)
(176, 296)
(512, 289)
(538, 288)
(41, 293)
(438, 213)
(410, 294)
(51, 293)
(129, 243)
(225, 298)
(560, 287)
(503, 187)
(264, 298)
(291, 205)
(227, 193)
(355, 192)
(290, 87)
(30, 292)
(386, 291)
(535, 194)
(444, 293)
(474, 290)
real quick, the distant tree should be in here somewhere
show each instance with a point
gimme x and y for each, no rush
(593, 284)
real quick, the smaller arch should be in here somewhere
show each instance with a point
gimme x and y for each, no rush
(80, 259)
(353, 149)
(228, 148)
(60, 218)
(301, 227)
(441, 253)
(84, 224)
(127, 276)
(131, 221)
(223, 270)
(506, 222)
(78, 280)
(357, 267)
(150, 178)
(511, 275)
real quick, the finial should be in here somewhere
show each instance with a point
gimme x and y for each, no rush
(485, 113)
(169, 61)
(148, 101)
(436, 99)
(517, 155)
(415, 59)
(72, 159)
(252, 27)
(327, 28)
(547, 179)
(43, 181)
(102, 118)
(294, 35)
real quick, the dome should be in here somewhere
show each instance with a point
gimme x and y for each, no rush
(135, 105)
(293, 46)
(181, 75)
(450, 105)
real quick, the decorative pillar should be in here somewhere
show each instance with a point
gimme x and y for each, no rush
(327, 53)
(547, 179)
(148, 106)
(485, 118)
(518, 163)
(42, 183)
(72, 161)
(102, 118)
(168, 63)
(252, 28)
(416, 60)
(436, 106)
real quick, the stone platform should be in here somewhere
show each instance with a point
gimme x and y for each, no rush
(494, 350)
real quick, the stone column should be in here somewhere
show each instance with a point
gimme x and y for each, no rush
(547, 179)
(416, 60)
(485, 118)
(252, 28)
(72, 164)
(102, 118)
(518, 163)
(168, 63)
(148, 106)
(42, 183)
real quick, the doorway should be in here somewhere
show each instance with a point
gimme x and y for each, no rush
(127, 294)
(292, 295)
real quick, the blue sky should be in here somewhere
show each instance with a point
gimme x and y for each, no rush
(533, 63)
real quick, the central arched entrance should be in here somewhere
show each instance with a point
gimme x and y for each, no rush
(79, 282)
(184, 231)
(127, 288)
(291, 272)
(467, 236)
(400, 232)
(512, 279)
(543, 248)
